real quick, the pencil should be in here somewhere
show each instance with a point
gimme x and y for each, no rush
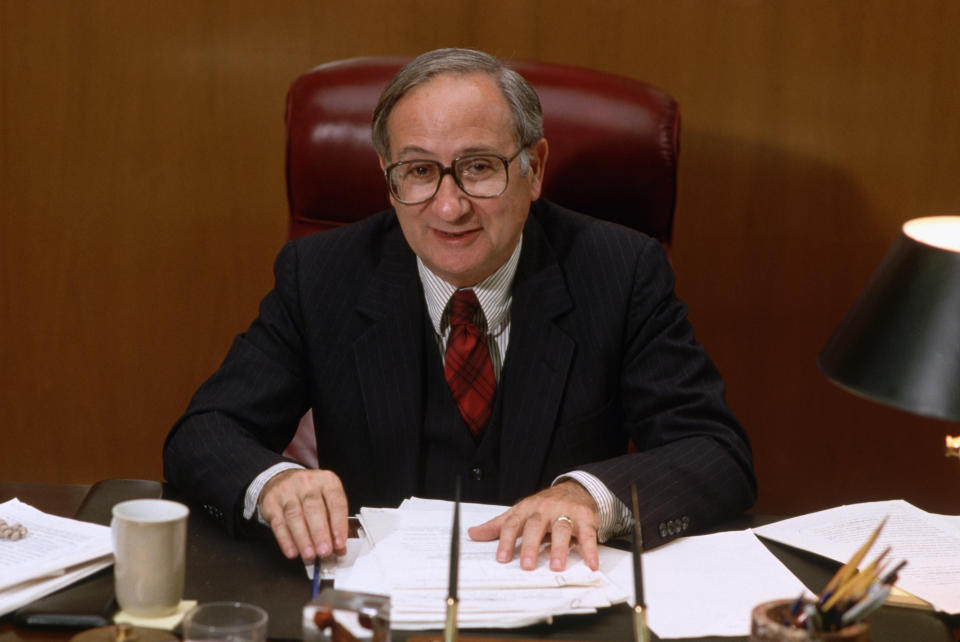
(848, 569)
(854, 588)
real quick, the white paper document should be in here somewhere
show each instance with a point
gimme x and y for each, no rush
(410, 562)
(55, 553)
(930, 543)
(696, 586)
(709, 584)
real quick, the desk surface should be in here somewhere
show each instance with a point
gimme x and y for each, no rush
(249, 570)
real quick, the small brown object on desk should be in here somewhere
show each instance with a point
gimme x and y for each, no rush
(767, 625)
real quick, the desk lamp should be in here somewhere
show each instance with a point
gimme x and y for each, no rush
(900, 342)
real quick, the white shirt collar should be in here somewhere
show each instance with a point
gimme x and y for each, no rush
(495, 294)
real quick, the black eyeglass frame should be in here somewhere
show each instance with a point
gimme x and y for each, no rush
(449, 170)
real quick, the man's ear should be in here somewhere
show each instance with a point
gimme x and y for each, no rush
(537, 154)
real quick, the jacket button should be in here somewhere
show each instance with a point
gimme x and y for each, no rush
(663, 529)
(685, 523)
(476, 473)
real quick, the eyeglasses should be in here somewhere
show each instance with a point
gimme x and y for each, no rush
(479, 175)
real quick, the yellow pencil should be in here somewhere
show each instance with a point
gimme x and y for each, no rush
(854, 588)
(848, 569)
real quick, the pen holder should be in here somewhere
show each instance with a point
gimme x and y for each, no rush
(768, 624)
(345, 616)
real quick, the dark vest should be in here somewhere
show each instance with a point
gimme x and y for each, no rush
(448, 448)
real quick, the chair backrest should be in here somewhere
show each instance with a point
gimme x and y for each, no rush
(613, 145)
(613, 154)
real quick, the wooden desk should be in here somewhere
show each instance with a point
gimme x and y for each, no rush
(250, 570)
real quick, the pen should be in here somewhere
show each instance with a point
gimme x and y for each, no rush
(316, 577)
(640, 631)
(891, 577)
(851, 594)
(874, 600)
(450, 632)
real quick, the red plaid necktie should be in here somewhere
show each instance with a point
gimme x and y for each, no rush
(468, 368)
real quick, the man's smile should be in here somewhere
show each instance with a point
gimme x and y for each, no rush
(455, 236)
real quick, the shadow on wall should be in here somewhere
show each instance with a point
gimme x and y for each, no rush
(771, 247)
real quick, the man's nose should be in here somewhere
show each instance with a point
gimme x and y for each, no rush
(450, 201)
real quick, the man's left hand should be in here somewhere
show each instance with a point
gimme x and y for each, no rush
(566, 511)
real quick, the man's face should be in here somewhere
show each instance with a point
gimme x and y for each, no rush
(460, 238)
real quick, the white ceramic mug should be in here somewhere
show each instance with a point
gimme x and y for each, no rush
(149, 547)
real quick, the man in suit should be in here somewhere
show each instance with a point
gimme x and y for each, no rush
(474, 330)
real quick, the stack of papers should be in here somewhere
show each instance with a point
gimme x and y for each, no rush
(55, 553)
(694, 586)
(410, 562)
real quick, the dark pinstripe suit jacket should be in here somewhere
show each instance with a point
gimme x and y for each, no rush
(600, 353)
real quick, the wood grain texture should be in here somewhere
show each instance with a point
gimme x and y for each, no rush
(142, 202)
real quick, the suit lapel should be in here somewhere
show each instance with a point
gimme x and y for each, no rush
(536, 368)
(389, 359)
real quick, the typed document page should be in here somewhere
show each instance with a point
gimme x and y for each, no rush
(929, 543)
(55, 552)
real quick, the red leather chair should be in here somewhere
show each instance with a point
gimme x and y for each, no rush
(613, 152)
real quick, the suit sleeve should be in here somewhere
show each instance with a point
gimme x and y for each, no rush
(694, 464)
(243, 416)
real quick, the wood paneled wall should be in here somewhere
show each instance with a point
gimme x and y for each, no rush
(142, 201)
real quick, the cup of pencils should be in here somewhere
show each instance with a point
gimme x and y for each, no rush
(772, 622)
(840, 611)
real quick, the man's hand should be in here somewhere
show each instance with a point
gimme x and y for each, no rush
(307, 512)
(532, 518)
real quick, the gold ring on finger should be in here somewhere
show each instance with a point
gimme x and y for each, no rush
(566, 520)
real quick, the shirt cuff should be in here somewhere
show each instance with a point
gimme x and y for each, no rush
(251, 501)
(613, 516)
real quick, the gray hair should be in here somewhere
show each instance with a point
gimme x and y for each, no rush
(522, 100)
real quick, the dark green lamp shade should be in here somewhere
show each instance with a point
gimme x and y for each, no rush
(900, 343)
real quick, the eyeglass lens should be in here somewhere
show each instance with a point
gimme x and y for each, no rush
(482, 176)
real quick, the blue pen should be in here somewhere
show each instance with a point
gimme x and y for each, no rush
(316, 577)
